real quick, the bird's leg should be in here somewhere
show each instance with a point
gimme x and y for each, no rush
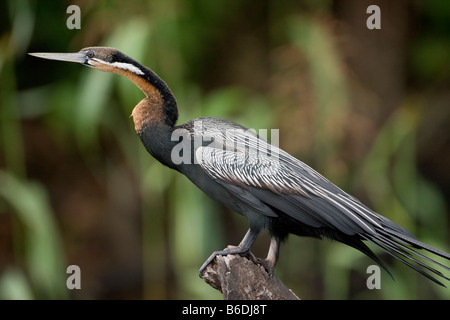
(242, 248)
(272, 256)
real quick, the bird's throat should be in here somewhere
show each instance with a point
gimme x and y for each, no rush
(149, 110)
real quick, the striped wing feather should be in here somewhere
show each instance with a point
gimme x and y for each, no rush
(281, 181)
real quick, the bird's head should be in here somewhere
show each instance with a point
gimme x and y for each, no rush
(159, 96)
(100, 58)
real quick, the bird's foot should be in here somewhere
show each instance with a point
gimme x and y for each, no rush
(243, 248)
(228, 250)
(268, 265)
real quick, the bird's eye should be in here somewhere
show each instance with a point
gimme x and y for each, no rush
(90, 54)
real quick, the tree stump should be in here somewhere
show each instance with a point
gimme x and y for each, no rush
(239, 278)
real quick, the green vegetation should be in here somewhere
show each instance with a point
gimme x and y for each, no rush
(77, 186)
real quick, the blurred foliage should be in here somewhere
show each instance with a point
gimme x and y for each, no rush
(77, 187)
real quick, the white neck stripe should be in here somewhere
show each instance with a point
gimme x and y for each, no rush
(123, 65)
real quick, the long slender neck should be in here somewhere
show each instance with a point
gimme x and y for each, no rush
(155, 116)
(159, 107)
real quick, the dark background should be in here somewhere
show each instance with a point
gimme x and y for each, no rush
(369, 109)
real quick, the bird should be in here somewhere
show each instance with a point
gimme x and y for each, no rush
(239, 169)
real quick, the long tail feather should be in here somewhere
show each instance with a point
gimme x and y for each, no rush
(399, 246)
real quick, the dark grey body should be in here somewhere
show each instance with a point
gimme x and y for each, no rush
(280, 194)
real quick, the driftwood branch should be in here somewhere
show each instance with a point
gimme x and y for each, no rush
(239, 278)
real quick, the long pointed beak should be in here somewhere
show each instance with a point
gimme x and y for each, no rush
(79, 57)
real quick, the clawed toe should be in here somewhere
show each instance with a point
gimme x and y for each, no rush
(268, 265)
(243, 249)
(228, 250)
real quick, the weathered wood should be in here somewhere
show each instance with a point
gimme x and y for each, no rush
(239, 278)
